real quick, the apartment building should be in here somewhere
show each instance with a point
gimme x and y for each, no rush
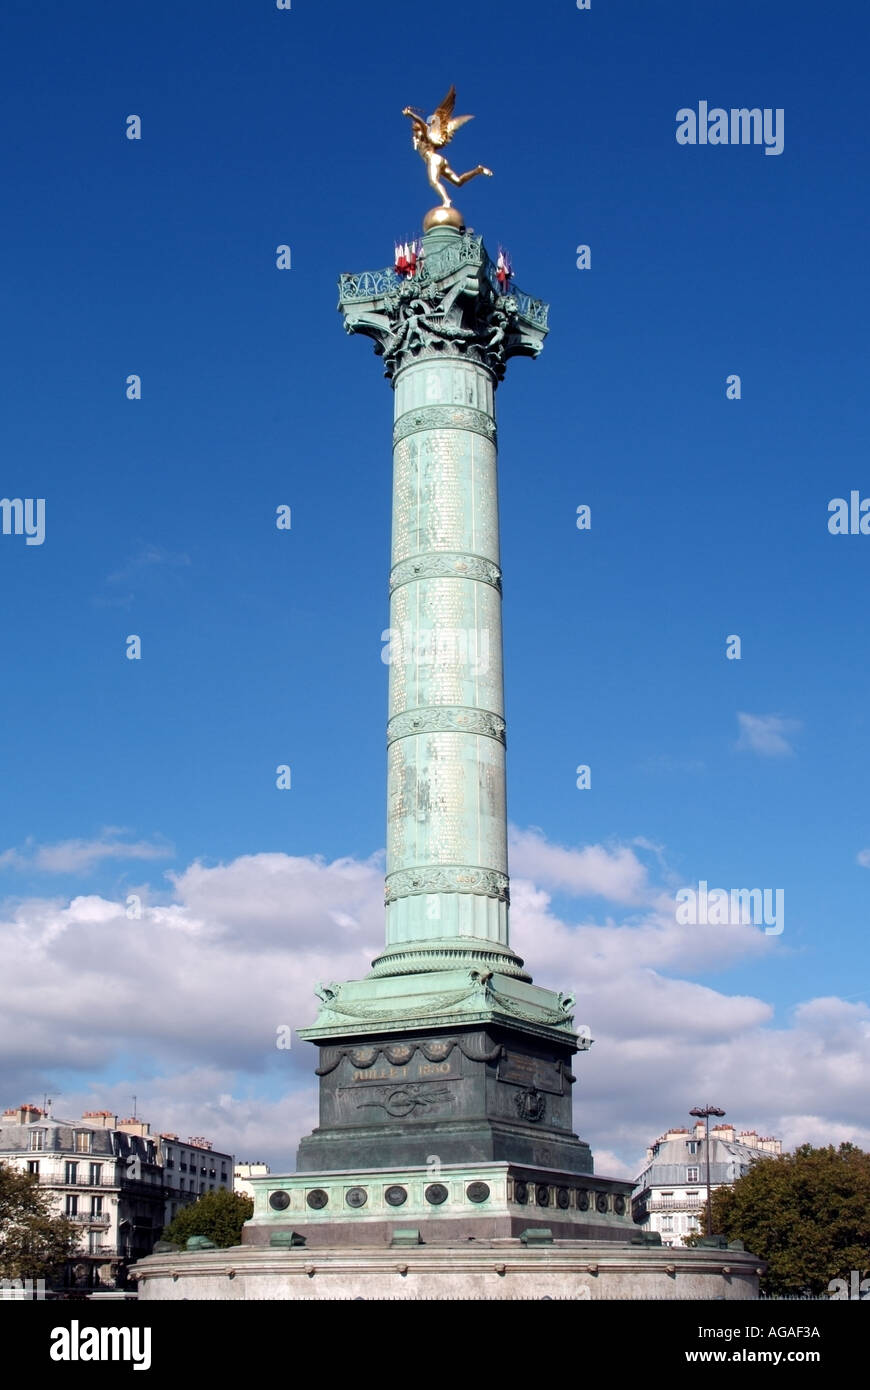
(671, 1193)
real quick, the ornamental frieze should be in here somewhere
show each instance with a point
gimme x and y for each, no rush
(447, 879)
(444, 417)
(441, 719)
(363, 1058)
(445, 564)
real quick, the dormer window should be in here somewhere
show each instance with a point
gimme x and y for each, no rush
(83, 1141)
(37, 1140)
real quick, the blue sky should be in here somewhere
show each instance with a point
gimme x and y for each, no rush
(260, 647)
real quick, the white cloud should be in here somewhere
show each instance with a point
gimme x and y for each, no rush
(196, 989)
(593, 871)
(767, 734)
(80, 856)
(863, 858)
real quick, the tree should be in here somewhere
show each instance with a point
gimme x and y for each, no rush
(807, 1214)
(34, 1242)
(217, 1215)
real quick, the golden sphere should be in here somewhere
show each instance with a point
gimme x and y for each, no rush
(444, 217)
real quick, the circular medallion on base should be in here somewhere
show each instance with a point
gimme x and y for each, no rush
(444, 217)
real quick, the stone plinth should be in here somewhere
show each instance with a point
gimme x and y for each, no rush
(489, 1270)
(491, 1090)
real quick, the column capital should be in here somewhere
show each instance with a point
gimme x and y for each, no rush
(451, 307)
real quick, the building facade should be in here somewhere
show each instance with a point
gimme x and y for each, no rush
(671, 1192)
(108, 1182)
(116, 1182)
(191, 1168)
(242, 1174)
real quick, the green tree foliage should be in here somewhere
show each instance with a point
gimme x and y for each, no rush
(807, 1214)
(217, 1215)
(34, 1241)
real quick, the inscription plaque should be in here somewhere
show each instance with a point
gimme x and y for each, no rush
(531, 1072)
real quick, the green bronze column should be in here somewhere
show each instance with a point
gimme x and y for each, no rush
(445, 334)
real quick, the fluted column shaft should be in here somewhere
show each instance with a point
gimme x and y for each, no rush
(446, 819)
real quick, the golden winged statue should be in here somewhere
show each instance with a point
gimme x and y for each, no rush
(430, 136)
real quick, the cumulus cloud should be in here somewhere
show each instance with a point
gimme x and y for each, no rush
(767, 734)
(183, 1004)
(863, 858)
(593, 871)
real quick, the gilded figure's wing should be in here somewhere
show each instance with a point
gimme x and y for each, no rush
(453, 126)
(439, 122)
(443, 125)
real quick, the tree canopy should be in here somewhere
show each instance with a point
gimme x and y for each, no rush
(217, 1215)
(34, 1241)
(806, 1213)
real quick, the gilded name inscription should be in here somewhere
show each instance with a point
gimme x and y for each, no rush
(418, 1070)
(381, 1074)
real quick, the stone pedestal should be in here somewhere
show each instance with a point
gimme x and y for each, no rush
(463, 1095)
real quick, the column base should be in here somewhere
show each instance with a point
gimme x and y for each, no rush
(451, 953)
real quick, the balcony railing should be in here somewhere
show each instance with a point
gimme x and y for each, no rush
(82, 1180)
(89, 1218)
(375, 284)
(675, 1203)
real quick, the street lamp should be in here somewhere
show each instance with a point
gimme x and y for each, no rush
(704, 1112)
